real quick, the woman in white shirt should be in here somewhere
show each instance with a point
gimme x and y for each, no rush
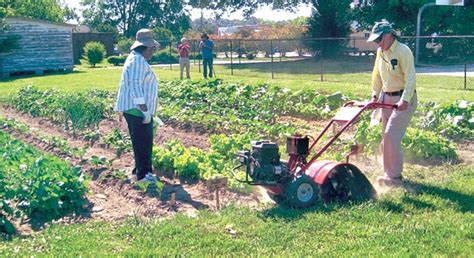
(137, 99)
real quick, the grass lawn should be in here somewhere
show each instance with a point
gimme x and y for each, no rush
(303, 74)
(433, 216)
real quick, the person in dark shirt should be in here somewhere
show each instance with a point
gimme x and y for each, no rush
(207, 47)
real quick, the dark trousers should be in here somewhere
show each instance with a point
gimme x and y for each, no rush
(142, 142)
(207, 62)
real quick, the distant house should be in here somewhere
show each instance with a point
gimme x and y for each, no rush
(43, 46)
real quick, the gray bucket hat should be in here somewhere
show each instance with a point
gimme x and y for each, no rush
(381, 28)
(144, 37)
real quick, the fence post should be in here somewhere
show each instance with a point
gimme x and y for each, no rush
(171, 61)
(279, 48)
(465, 74)
(231, 60)
(199, 62)
(240, 52)
(271, 55)
(321, 61)
(194, 50)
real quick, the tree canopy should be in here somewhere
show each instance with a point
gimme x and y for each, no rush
(128, 16)
(447, 20)
(49, 10)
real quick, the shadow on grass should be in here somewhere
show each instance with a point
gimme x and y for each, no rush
(285, 212)
(49, 74)
(464, 202)
(308, 66)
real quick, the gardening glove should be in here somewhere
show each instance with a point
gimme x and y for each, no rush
(158, 121)
(147, 117)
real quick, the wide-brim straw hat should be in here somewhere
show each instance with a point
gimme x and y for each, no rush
(144, 37)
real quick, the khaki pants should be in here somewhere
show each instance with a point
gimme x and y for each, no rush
(394, 126)
(184, 63)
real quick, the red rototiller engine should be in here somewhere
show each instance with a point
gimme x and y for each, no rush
(301, 180)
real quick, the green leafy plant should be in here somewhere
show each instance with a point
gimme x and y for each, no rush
(100, 161)
(94, 52)
(34, 183)
(119, 141)
(117, 60)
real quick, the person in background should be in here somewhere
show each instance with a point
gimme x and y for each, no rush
(137, 99)
(393, 82)
(184, 49)
(207, 47)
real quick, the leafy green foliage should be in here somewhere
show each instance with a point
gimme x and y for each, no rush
(240, 108)
(419, 144)
(94, 52)
(421, 141)
(78, 111)
(194, 163)
(99, 161)
(51, 10)
(331, 19)
(81, 111)
(165, 57)
(124, 45)
(453, 121)
(130, 16)
(164, 36)
(34, 183)
(121, 142)
(117, 60)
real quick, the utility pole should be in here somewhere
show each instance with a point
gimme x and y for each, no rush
(418, 22)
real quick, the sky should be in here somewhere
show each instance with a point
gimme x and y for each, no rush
(263, 13)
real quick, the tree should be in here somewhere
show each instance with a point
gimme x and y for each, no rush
(49, 10)
(163, 36)
(248, 7)
(447, 20)
(440, 20)
(128, 16)
(330, 19)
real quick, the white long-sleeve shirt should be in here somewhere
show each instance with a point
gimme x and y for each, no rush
(138, 85)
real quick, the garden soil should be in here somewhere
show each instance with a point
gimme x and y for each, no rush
(113, 199)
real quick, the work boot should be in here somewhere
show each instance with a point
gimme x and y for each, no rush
(389, 181)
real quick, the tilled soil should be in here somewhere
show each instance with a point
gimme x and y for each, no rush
(110, 198)
(113, 199)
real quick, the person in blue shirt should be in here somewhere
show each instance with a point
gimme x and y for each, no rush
(207, 47)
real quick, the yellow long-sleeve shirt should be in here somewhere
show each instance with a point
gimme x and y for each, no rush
(394, 70)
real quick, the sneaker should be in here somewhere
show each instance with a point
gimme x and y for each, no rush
(149, 177)
(389, 181)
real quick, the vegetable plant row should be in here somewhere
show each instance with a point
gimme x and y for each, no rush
(245, 112)
(34, 183)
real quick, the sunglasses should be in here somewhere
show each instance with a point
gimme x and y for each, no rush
(379, 39)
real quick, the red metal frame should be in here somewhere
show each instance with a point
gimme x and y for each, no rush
(294, 161)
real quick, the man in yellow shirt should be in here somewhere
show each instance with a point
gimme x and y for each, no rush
(393, 82)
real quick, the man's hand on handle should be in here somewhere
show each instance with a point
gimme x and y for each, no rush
(402, 105)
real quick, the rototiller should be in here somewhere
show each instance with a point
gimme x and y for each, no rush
(301, 180)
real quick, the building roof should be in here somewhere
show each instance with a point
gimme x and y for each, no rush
(18, 18)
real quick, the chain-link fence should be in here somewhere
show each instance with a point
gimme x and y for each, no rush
(331, 58)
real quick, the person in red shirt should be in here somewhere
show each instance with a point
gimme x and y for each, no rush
(184, 49)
